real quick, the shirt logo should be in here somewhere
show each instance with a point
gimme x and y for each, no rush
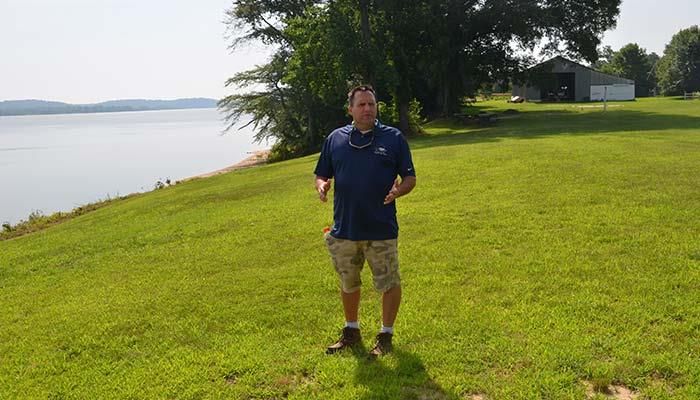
(380, 151)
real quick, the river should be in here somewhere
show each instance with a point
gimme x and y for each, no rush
(52, 163)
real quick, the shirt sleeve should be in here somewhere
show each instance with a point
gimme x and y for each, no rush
(324, 166)
(405, 159)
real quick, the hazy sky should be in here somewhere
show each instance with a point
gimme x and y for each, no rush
(652, 23)
(86, 51)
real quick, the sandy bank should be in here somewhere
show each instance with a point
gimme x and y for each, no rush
(255, 158)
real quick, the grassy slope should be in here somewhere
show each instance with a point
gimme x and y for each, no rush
(558, 247)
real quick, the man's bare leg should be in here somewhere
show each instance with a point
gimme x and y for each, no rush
(391, 299)
(351, 305)
(351, 332)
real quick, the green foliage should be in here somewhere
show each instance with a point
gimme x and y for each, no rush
(389, 114)
(555, 248)
(679, 68)
(285, 150)
(633, 62)
(434, 52)
(605, 56)
(37, 221)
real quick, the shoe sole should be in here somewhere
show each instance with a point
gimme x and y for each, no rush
(330, 351)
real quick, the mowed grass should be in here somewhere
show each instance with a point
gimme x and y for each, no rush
(556, 250)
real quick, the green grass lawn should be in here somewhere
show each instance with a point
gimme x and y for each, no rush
(555, 250)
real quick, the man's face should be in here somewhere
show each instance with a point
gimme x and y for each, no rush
(363, 109)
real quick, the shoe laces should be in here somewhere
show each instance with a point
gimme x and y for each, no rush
(348, 334)
(383, 339)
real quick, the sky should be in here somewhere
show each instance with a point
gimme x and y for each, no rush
(652, 23)
(87, 51)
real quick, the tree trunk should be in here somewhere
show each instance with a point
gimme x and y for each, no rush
(403, 90)
(366, 40)
(364, 21)
(404, 126)
(445, 97)
(311, 132)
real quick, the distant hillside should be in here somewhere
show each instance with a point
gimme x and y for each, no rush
(33, 107)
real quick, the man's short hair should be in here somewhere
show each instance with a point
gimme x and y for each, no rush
(360, 88)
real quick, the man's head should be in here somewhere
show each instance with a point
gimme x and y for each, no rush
(362, 105)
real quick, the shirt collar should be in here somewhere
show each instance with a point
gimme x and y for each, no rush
(377, 126)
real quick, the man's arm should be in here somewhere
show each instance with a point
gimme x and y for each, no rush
(323, 184)
(400, 189)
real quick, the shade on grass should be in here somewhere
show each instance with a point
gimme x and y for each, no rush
(556, 249)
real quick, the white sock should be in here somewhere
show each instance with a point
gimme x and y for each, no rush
(387, 329)
(352, 324)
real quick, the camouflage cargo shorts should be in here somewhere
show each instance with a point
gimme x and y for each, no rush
(349, 258)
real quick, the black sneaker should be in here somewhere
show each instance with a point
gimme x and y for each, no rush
(349, 338)
(383, 345)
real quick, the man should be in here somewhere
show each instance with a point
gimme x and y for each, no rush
(365, 159)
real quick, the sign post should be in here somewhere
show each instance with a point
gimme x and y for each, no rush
(605, 99)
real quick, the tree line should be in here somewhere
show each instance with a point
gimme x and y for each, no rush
(675, 73)
(422, 56)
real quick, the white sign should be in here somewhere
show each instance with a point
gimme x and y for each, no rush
(623, 91)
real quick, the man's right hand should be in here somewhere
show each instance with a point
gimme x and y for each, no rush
(322, 186)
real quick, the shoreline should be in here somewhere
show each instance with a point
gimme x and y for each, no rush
(37, 222)
(256, 158)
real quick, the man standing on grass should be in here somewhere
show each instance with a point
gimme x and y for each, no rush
(365, 159)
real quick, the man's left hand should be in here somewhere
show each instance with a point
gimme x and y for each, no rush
(393, 193)
(402, 188)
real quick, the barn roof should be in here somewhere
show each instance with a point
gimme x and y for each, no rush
(566, 60)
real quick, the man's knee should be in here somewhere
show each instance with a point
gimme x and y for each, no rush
(350, 290)
(383, 259)
(388, 282)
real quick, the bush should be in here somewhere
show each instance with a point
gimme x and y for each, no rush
(389, 114)
(37, 220)
(282, 150)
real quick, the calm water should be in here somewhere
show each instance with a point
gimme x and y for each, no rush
(52, 163)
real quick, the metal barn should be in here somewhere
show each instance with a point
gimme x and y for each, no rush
(560, 79)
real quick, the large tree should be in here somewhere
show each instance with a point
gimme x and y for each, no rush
(435, 52)
(633, 62)
(679, 69)
(605, 56)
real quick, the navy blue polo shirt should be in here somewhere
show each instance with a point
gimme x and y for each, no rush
(363, 178)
